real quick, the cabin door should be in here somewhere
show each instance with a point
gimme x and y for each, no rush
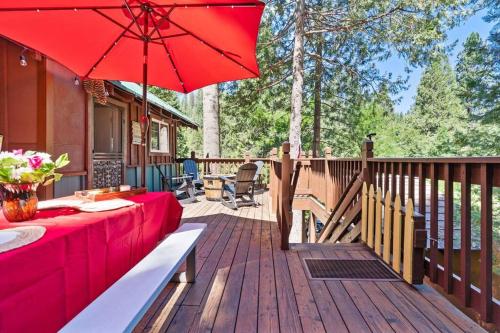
(108, 152)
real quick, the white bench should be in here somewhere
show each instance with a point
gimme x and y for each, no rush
(122, 305)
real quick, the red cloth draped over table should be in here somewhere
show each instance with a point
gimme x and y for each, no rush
(45, 284)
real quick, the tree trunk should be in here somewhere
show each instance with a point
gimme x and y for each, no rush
(318, 72)
(296, 234)
(211, 137)
(298, 80)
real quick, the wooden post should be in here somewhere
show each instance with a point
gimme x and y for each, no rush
(193, 154)
(366, 153)
(273, 186)
(247, 157)
(415, 239)
(286, 167)
(328, 180)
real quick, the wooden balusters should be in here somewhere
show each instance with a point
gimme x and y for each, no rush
(407, 248)
(486, 254)
(409, 232)
(465, 234)
(387, 228)
(396, 235)
(371, 216)
(448, 228)
(378, 222)
(433, 270)
(364, 213)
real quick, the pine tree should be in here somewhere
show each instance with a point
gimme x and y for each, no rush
(438, 114)
(478, 83)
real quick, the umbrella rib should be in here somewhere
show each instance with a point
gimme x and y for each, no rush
(116, 22)
(161, 20)
(142, 40)
(171, 36)
(209, 45)
(109, 49)
(190, 5)
(168, 53)
(134, 17)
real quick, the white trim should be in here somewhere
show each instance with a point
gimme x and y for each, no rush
(165, 125)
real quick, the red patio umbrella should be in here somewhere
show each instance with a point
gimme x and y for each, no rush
(180, 46)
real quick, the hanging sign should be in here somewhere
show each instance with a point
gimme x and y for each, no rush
(136, 133)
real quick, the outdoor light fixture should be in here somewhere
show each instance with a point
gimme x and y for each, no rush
(22, 59)
(77, 81)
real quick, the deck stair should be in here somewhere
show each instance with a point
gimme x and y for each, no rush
(344, 225)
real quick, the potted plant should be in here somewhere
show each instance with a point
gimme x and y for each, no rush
(20, 175)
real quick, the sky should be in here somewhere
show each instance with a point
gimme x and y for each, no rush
(396, 66)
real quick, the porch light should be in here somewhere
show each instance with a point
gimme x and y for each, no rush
(77, 81)
(22, 59)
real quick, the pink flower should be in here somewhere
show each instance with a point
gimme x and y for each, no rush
(35, 161)
(17, 151)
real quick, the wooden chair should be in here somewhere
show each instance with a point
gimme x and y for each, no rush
(191, 169)
(239, 187)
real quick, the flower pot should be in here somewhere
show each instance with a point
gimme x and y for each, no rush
(19, 201)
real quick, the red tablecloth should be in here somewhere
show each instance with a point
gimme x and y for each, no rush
(45, 284)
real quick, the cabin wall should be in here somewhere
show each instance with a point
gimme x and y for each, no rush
(66, 116)
(21, 114)
(42, 109)
(156, 162)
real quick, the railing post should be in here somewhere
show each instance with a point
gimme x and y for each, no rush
(366, 153)
(273, 181)
(193, 154)
(286, 167)
(328, 180)
(247, 157)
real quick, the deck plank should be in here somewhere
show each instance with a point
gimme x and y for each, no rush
(308, 311)
(330, 315)
(288, 312)
(225, 320)
(245, 283)
(205, 317)
(247, 317)
(268, 307)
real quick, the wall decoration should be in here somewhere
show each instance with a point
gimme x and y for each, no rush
(136, 133)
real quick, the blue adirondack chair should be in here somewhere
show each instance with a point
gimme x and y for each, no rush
(191, 169)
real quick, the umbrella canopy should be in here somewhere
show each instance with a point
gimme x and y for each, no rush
(186, 45)
(190, 44)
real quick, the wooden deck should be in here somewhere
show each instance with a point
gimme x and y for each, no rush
(245, 283)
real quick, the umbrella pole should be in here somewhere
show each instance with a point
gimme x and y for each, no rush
(145, 119)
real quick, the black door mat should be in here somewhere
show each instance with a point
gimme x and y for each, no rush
(349, 269)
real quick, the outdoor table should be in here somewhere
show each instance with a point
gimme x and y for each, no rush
(45, 284)
(212, 185)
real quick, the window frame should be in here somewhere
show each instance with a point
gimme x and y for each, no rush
(161, 124)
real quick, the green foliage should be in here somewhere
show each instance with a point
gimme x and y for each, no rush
(478, 79)
(438, 114)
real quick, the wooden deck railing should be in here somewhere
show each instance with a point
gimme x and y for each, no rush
(443, 189)
(209, 165)
(395, 232)
(456, 196)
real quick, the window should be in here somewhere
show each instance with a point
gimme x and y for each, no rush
(159, 137)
